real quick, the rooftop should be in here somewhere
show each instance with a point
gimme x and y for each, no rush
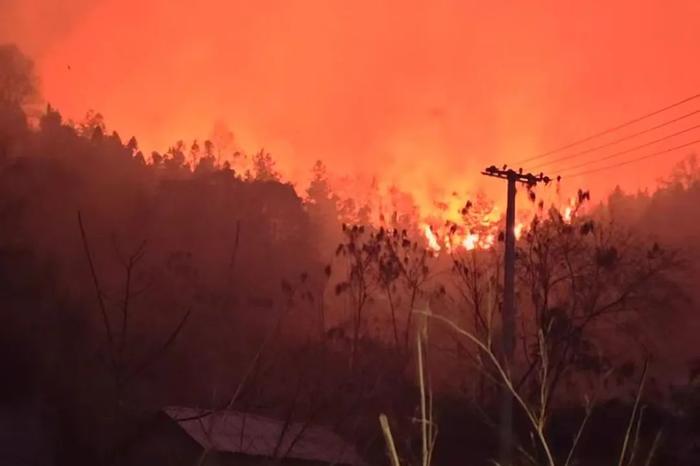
(250, 434)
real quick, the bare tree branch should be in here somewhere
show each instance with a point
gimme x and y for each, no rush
(163, 348)
(98, 291)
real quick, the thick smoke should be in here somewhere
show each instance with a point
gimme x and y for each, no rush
(419, 96)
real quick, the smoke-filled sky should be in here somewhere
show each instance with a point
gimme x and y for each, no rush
(422, 93)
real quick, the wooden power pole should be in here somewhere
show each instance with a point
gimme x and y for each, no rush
(508, 311)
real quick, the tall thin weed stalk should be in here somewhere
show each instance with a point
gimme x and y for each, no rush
(536, 417)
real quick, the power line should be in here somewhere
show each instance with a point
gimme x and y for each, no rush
(637, 159)
(617, 141)
(627, 151)
(609, 130)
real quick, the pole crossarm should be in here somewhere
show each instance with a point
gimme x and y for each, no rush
(518, 176)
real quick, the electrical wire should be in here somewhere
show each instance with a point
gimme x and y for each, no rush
(627, 151)
(637, 159)
(617, 141)
(608, 130)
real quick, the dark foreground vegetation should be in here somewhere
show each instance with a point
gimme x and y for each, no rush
(132, 282)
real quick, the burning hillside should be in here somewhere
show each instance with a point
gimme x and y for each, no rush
(291, 213)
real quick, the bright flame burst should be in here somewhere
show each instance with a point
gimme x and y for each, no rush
(518, 230)
(433, 242)
(448, 225)
(570, 209)
(485, 231)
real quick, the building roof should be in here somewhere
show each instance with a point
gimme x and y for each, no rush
(249, 434)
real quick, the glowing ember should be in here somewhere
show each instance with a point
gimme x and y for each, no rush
(569, 210)
(432, 239)
(518, 230)
(471, 241)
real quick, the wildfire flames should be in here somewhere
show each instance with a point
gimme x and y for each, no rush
(449, 237)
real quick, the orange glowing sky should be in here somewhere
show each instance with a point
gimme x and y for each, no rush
(422, 93)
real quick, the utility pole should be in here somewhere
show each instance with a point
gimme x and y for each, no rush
(508, 312)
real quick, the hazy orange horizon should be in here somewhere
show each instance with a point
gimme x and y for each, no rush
(422, 94)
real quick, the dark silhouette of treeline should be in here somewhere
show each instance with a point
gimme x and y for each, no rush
(127, 285)
(130, 282)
